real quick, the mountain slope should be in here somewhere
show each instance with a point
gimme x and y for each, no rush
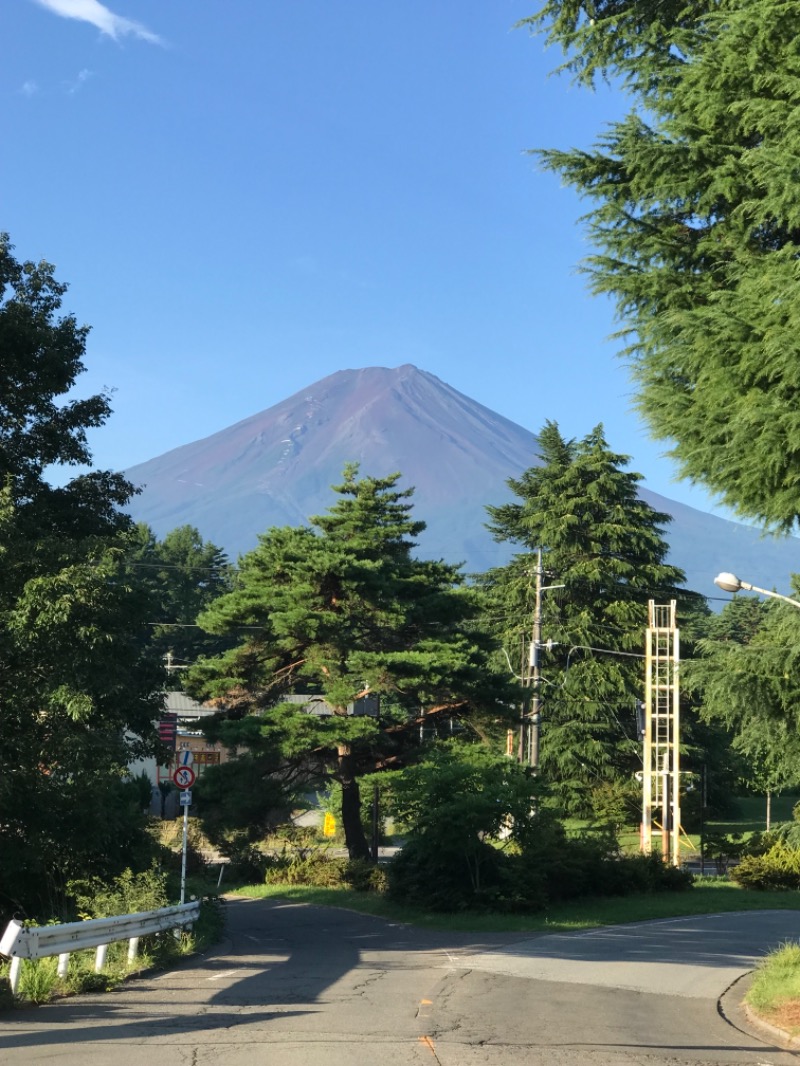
(276, 468)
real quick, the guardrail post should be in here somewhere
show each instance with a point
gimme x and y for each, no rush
(63, 963)
(100, 957)
(13, 975)
(133, 947)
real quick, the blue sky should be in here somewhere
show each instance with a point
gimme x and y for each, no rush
(247, 196)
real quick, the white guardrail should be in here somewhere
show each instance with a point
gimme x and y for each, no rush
(39, 942)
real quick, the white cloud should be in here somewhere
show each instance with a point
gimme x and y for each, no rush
(98, 15)
(28, 88)
(83, 76)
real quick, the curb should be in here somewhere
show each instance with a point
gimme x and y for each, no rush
(761, 1025)
(731, 1003)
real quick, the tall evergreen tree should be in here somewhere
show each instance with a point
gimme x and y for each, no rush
(606, 547)
(346, 611)
(184, 575)
(76, 686)
(745, 673)
(696, 220)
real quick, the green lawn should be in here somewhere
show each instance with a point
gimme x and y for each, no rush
(750, 817)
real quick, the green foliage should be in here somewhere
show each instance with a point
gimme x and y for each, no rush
(606, 547)
(635, 40)
(461, 794)
(345, 611)
(694, 217)
(128, 893)
(245, 798)
(321, 870)
(78, 691)
(38, 979)
(745, 672)
(479, 838)
(776, 870)
(184, 575)
(723, 849)
(776, 980)
(617, 803)
(551, 869)
(426, 874)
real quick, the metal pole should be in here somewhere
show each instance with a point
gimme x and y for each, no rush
(535, 660)
(183, 855)
(375, 823)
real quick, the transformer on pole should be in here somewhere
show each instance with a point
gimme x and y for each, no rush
(661, 757)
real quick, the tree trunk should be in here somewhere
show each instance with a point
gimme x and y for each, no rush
(354, 837)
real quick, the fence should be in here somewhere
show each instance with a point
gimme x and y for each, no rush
(39, 942)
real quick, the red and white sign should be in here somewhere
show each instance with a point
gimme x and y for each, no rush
(184, 777)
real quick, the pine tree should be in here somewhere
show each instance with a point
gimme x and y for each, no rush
(344, 610)
(696, 220)
(606, 547)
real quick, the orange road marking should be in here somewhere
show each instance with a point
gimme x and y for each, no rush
(426, 1040)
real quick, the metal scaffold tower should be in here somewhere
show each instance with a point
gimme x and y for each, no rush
(661, 774)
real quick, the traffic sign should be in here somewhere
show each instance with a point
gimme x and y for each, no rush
(186, 798)
(184, 777)
(184, 758)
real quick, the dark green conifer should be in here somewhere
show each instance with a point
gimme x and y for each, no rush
(695, 217)
(345, 610)
(606, 547)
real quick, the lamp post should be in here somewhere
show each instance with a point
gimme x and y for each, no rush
(731, 583)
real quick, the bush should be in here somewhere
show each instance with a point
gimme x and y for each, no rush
(428, 874)
(776, 870)
(129, 893)
(722, 849)
(322, 872)
(555, 869)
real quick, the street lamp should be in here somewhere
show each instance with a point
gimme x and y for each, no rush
(731, 583)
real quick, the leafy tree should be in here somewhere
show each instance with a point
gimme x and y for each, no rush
(77, 693)
(457, 808)
(696, 223)
(745, 674)
(345, 610)
(185, 574)
(606, 547)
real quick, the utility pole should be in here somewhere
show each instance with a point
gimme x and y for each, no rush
(536, 669)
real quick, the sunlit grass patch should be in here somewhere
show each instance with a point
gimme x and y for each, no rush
(775, 991)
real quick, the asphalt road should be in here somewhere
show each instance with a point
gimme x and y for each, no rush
(310, 986)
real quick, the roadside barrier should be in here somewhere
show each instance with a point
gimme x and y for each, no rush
(39, 942)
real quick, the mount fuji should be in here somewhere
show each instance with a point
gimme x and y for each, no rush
(276, 468)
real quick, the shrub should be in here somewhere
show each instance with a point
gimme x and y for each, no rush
(427, 873)
(776, 870)
(323, 872)
(723, 849)
(127, 894)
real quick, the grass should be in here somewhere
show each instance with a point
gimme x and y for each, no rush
(775, 991)
(750, 817)
(707, 897)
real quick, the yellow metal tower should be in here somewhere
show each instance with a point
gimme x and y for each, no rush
(661, 775)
